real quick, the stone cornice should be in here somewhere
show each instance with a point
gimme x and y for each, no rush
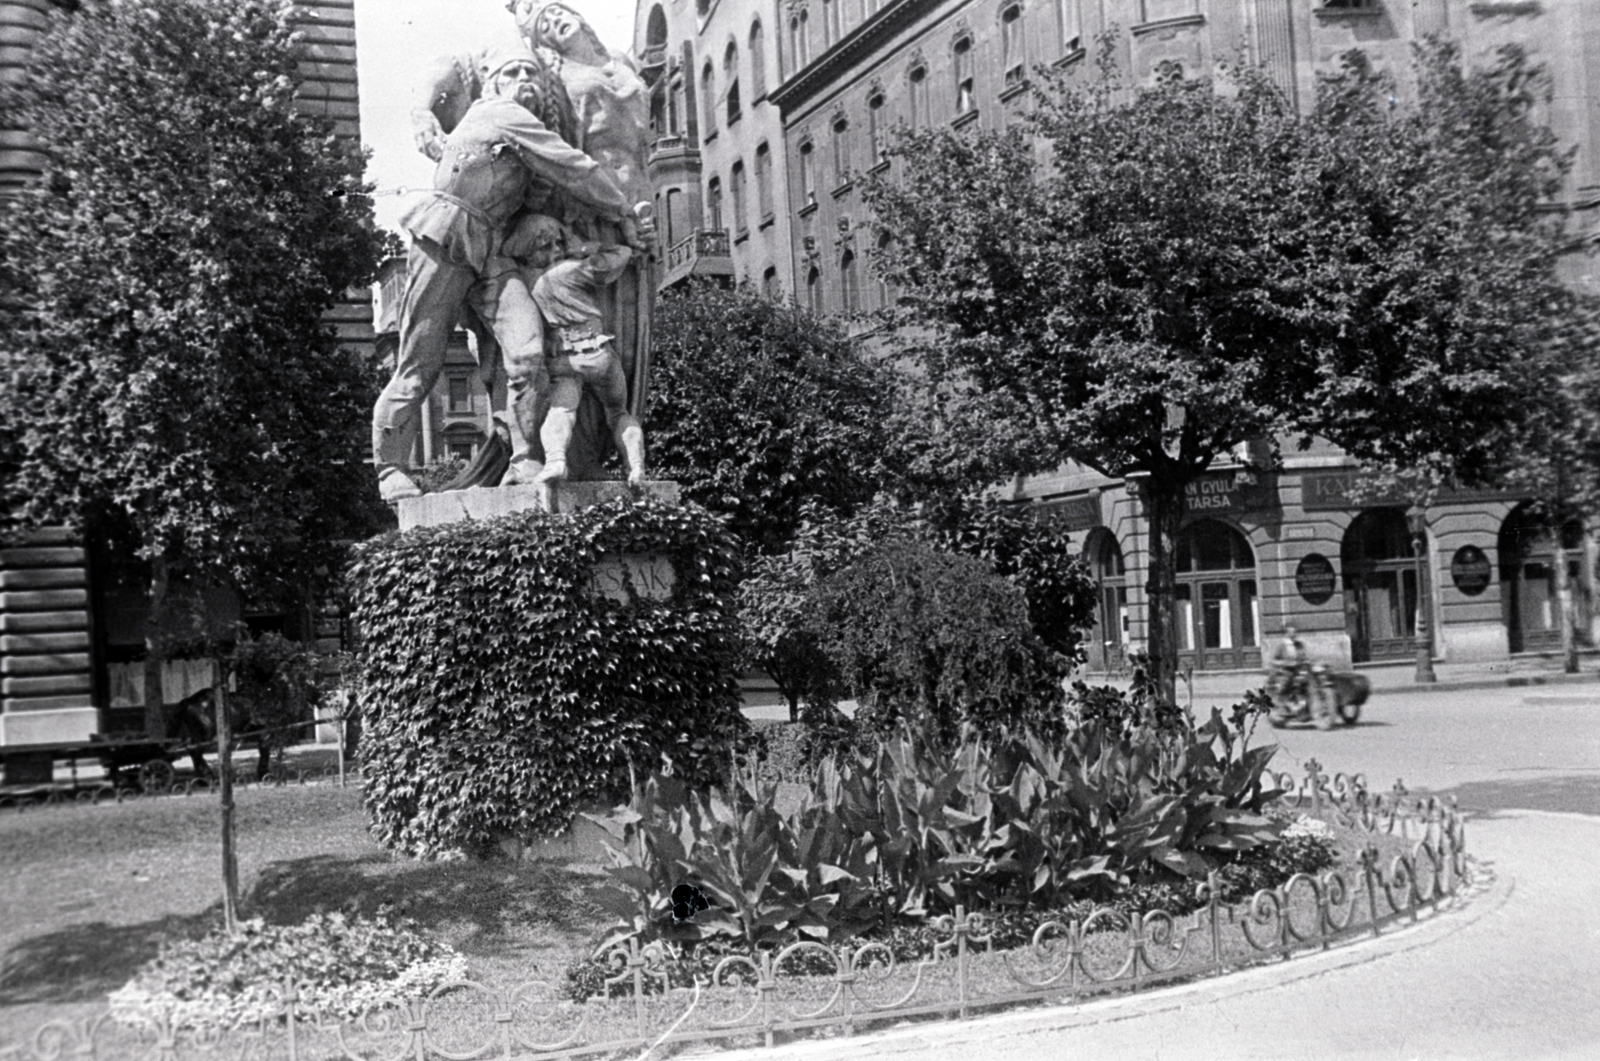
(823, 73)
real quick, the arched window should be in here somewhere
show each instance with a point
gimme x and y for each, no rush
(800, 40)
(965, 100)
(841, 152)
(919, 97)
(1013, 46)
(847, 282)
(1219, 612)
(808, 174)
(887, 295)
(764, 180)
(708, 95)
(1111, 584)
(769, 283)
(714, 204)
(875, 128)
(758, 63)
(730, 74)
(677, 224)
(1380, 585)
(1530, 582)
(740, 223)
(831, 21)
(675, 107)
(814, 291)
(655, 34)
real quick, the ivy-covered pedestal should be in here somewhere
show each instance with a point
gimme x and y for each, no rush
(522, 667)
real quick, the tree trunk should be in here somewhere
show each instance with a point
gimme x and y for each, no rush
(1569, 640)
(1164, 511)
(155, 652)
(230, 861)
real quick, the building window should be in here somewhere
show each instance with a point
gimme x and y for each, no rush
(830, 21)
(841, 152)
(887, 295)
(460, 394)
(714, 204)
(1070, 15)
(814, 291)
(675, 219)
(800, 40)
(675, 107)
(808, 175)
(965, 102)
(740, 224)
(875, 128)
(1013, 46)
(758, 63)
(730, 74)
(847, 282)
(769, 283)
(1156, 10)
(708, 93)
(461, 451)
(764, 180)
(919, 97)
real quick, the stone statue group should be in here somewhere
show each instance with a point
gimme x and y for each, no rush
(537, 237)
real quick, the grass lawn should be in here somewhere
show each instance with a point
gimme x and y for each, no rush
(88, 893)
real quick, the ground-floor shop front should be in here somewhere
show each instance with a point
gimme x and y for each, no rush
(1258, 552)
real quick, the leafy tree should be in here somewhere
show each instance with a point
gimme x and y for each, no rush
(1164, 272)
(162, 291)
(757, 406)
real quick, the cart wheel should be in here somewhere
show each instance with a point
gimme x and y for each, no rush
(156, 776)
(1349, 712)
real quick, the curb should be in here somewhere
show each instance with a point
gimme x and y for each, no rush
(1478, 900)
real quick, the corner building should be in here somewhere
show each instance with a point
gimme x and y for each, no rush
(1257, 551)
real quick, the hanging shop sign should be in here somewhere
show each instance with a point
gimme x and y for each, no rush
(1313, 579)
(1470, 570)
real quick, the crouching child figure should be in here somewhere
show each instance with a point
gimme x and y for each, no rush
(582, 355)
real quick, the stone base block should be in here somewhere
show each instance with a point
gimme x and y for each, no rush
(48, 727)
(488, 502)
(1474, 642)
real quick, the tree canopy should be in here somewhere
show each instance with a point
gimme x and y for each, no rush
(162, 292)
(757, 405)
(1151, 275)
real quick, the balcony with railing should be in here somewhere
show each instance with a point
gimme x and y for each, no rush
(705, 252)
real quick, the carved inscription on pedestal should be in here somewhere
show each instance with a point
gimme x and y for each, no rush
(626, 578)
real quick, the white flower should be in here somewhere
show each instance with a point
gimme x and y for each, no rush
(1304, 826)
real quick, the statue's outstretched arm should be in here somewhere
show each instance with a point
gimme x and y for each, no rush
(445, 91)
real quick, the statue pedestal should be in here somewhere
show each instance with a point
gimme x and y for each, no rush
(488, 502)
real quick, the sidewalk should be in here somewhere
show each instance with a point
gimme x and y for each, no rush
(1509, 974)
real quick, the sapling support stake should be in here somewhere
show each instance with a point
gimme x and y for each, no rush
(230, 862)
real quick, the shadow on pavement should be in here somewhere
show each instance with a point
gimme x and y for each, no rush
(1569, 794)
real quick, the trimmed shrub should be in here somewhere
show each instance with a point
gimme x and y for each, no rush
(341, 966)
(937, 639)
(504, 686)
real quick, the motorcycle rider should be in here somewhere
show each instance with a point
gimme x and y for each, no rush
(1286, 669)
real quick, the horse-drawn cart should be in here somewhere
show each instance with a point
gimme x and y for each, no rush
(125, 761)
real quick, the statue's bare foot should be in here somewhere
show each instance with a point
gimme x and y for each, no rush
(635, 476)
(526, 470)
(553, 472)
(395, 485)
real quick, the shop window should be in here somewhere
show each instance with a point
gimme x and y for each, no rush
(1380, 585)
(1530, 567)
(1218, 605)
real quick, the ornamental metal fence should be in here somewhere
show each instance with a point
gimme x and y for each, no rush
(809, 988)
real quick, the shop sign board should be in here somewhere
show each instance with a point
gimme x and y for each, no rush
(1070, 513)
(1226, 492)
(1313, 579)
(1336, 490)
(1470, 570)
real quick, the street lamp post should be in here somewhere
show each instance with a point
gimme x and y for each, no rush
(1417, 522)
